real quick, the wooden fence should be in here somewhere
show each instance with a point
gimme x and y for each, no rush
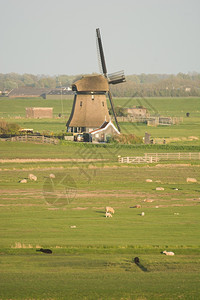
(155, 157)
(151, 120)
(32, 138)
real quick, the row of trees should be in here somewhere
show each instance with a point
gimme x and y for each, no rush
(143, 85)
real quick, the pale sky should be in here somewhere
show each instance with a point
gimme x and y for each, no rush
(55, 37)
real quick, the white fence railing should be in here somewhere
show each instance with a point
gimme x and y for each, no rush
(155, 157)
(30, 138)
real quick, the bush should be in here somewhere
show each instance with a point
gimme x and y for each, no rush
(9, 128)
(129, 139)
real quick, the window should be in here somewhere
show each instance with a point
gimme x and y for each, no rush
(81, 103)
(102, 103)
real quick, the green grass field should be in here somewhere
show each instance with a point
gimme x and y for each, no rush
(95, 260)
(13, 110)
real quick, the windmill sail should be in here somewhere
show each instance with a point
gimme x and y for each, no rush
(116, 77)
(113, 78)
(100, 53)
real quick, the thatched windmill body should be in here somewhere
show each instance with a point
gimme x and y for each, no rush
(90, 109)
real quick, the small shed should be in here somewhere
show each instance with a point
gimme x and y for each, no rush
(102, 134)
(39, 112)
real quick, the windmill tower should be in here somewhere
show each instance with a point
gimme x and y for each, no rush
(89, 110)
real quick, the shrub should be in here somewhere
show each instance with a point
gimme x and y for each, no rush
(9, 128)
(127, 139)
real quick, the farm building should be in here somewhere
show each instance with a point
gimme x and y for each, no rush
(23, 92)
(59, 93)
(106, 130)
(137, 111)
(39, 112)
(46, 93)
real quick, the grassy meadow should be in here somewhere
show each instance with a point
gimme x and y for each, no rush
(93, 256)
(13, 110)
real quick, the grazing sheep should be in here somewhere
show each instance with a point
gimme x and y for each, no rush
(160, 189)
(23, 181)
(191, 179)
(32, 177)
(137, 206)
(142, 214)
(148, 200)
(110, 209)
(149, 180)
(48, 251)
(168, 253)
(108, 215)
(52, 176)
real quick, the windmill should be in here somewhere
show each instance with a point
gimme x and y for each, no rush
(89, 110)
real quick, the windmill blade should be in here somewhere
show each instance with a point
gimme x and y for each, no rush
(116, 77)
(100, 52)
(113, 110)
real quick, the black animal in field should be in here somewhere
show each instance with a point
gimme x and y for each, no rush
(48, 251)
(138, 263)
(136, 260)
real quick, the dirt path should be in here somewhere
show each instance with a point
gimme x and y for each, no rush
(35, 160)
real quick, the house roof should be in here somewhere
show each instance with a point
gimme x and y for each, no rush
(58, 92)
(104, 126)
(27, 91)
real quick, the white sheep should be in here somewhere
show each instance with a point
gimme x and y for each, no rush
(110, 209)
(191, 179)
(23, 181)
(168, 253)
(108, 215)
(142, 214)
(32, 177)
(52, 176)
(160, 189)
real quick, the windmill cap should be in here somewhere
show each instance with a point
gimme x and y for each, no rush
(91, 83)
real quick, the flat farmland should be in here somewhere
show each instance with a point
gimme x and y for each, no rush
(13, 110)
(93, 256)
